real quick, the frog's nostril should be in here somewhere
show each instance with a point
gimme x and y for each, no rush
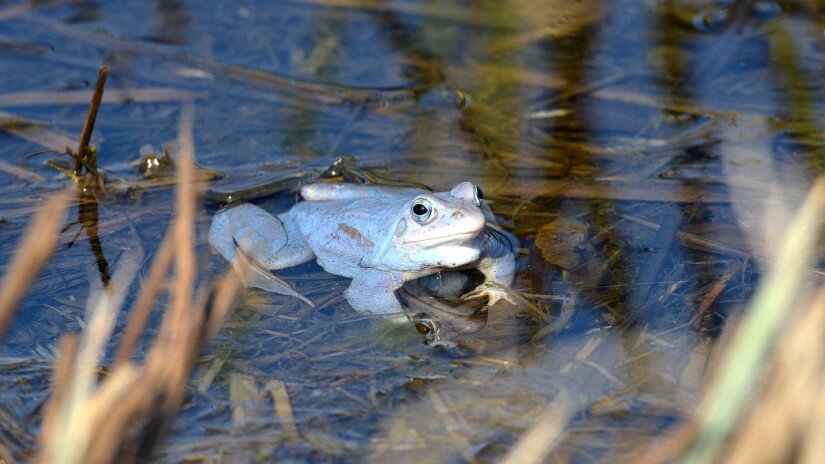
(458, 215)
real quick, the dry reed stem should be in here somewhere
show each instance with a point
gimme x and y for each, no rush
(283, 408)
(543, 436)
(75, 418)
(787, 421)
(715, 290)
(5, 454)
(38, 243)
(104, 440)
(177, 336)
(143, 306)
(34, 132)
(123, 416)
(221, 302)
(451, 419)
(67, 352)
(733, 395)
(740, 367)
(148, 95)
(112, 428)
(15, 11)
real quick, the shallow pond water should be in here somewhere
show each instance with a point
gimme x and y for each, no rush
(645, 153)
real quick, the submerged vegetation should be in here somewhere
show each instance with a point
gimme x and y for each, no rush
(657, 161)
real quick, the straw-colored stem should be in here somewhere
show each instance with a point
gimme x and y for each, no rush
(143, 306)
(38, 243)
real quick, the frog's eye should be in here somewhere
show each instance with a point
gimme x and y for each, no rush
(479, 195)
(421, 210)
(428, 329)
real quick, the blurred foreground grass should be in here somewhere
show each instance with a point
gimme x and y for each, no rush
(119, 413)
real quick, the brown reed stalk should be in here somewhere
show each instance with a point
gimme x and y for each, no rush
(146, 298)
(81, 159)
(38, 243)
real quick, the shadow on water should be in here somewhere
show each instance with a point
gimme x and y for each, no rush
(639, 151)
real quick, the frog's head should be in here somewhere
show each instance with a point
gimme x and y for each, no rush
(435, 230)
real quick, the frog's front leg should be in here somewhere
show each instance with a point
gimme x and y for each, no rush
(498, 265)
(373, 290)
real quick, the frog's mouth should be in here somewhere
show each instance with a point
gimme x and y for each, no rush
(459, 237)
(450, 236)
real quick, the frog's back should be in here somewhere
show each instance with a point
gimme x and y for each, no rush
(342, 232)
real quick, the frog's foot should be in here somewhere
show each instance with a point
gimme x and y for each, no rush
(493, 292)
(253, 275)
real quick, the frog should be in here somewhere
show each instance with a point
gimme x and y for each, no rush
(380, 237)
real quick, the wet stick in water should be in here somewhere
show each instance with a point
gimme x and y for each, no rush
(81, 158)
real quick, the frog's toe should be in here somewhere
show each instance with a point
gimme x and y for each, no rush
(253, 275)
(494, 293)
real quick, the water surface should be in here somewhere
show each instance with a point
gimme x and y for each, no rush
(646, 154)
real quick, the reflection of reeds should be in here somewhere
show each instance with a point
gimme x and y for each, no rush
(123, 415)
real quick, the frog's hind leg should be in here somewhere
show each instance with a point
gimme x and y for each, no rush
(272, 242)
(256, 242)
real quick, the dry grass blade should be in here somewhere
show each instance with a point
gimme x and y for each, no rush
(175, 333)
(787, 422)
(75, 419)
(34, 132)
(283, 408)
(143, 306)
(67, 351)
(535, 444)
(20, 172)
(741, 366)
(5, 454)
(40, 239)
(149, 95)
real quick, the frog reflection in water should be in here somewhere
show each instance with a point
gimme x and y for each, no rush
(380, 237)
